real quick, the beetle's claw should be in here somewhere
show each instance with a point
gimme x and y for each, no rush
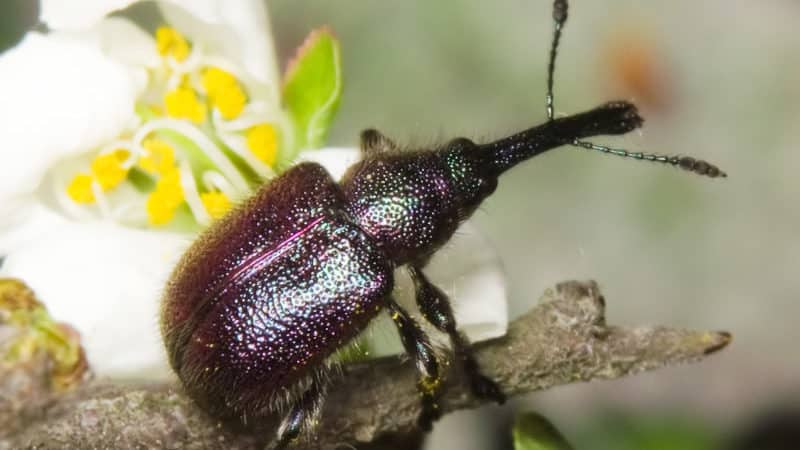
(430, 413)
(484, 387)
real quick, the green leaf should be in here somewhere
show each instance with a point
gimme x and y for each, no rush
(312, 89)
(533, 432)
(612, 430)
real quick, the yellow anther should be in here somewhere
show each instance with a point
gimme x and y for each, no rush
(182, 103)
(262, 140)
(170, 186)
(216, 81)
(224, 91)
(107, 169)
(80, 189)
(216, 203)
(159, 210)
(170, 42)
(231, 103)
(159, 156)
(165, 199)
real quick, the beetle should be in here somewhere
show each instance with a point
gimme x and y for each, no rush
(260, 302)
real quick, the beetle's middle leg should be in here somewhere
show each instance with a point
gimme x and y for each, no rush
(419, 348)
(435, 307)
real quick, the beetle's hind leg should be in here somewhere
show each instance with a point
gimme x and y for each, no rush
(419, 348)
(302, 415)
(435, 307)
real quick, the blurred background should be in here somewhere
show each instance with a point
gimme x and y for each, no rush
(716, 80)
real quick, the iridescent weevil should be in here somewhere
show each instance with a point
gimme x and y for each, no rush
(258, 305)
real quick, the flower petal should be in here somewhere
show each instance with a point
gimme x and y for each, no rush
(66, 15)
(467, 269)
(103, 279)
(60, 95)
(125, 42)
(240, 31)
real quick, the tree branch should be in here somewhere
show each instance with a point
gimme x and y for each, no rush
(563, 339)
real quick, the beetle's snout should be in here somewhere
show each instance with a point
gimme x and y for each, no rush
(608, 119)
(618, 117)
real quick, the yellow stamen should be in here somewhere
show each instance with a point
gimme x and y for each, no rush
(170, 186)
(216, 203)
(231, 103)
(216, 80)
(165, 199)
(224, 91)
(182, 103)
(262, 140)
(170, 42)
(80, 189)
(107, 169)
(159, 156)
(159, 210)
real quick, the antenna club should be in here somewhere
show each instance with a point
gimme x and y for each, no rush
(560, 8)
(698, 166)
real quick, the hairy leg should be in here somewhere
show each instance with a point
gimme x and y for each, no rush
(419, 348)
(302, 416)
(435, 307)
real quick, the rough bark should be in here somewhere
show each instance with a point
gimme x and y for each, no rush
(563, 339)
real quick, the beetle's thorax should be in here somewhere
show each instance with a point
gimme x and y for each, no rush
(412, 202)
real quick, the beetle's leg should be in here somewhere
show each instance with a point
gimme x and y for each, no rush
(435, 307)
(421, 352)
(302, 415)
(373, 141)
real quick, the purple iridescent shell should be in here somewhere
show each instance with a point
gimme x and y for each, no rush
(269, 292)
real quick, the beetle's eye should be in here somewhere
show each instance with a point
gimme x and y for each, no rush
(460, 144)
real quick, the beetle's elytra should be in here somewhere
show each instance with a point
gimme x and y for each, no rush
(260, 302)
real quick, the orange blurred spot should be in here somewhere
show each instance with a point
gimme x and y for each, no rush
(639, 70)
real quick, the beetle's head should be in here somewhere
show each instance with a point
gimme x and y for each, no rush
(473, 178)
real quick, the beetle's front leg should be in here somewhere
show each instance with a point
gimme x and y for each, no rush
(419, 348)
(302, 415)
(435, 307)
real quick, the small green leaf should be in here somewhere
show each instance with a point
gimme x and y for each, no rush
(534, 432)
(613, 430)
(312, 89)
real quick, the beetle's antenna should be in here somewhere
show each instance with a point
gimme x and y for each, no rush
(687, 163)
(559, 17)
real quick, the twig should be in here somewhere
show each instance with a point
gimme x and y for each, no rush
(563, 339)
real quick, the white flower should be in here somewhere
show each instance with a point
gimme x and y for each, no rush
(101, 191)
